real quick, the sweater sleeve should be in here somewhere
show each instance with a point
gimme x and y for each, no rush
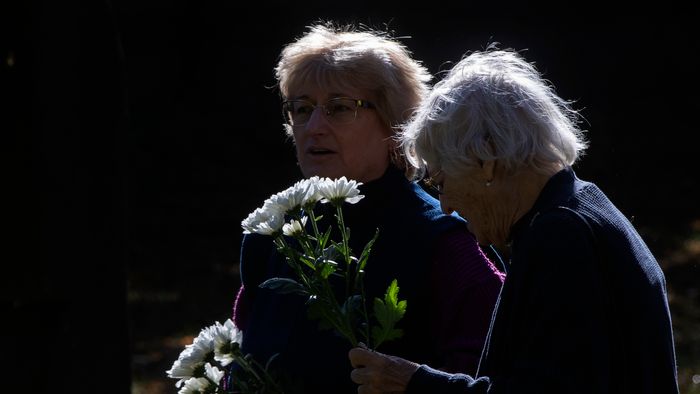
(429, 380)
(251, 271)
(464, 286)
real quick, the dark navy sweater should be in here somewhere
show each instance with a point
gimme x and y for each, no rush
(583, 308)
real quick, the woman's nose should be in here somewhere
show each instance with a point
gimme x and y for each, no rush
(318, 122)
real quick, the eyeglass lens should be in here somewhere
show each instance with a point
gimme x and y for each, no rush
(338, 110)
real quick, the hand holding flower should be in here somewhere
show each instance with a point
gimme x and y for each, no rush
(380, 373)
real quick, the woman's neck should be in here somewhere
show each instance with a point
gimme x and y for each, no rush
(527, 184)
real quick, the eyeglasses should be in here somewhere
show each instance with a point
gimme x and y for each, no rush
(338, 110)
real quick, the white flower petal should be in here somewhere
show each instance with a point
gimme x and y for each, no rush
(225, 337)
(235, 334)
(194, 386)
(294, 227)
(213, 373)
(293, 198)
(340, 190)
(312, 192)
(266, 220)
(191, 358)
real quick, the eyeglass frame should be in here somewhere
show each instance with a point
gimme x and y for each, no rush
(359, 103)
(433, 185)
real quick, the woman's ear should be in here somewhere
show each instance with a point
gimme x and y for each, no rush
(488, 170)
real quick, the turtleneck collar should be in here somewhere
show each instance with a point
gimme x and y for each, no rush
(378, 186)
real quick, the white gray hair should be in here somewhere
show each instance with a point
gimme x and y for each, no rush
(493, 105)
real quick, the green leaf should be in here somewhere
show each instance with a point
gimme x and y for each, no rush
(365, 252)
(284, 286)
(331, 253)
(308, 261)
(327, 268)
(352, 304)
(324, 238)
(388, 312)
(287, 251)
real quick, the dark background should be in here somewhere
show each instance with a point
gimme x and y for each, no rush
(140, 134)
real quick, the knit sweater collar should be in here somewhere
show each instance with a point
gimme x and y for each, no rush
(557, 190)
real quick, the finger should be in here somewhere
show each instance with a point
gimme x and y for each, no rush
(365, 389)
(359, 375)
(360, 357)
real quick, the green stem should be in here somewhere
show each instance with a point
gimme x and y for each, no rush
(364, 313)
(241, 360)
(252, 367)
(282, 244)
(342, 324)
(314, 225)
(304, 238)
(343, 232)
(346, 248)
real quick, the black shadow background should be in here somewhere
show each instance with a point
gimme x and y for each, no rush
(140, 134)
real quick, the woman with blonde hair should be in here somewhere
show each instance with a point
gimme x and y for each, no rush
(345, 91)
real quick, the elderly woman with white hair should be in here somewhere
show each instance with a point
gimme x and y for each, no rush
(583, 308)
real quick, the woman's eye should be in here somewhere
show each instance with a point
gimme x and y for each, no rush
(338, 108)
(303, 109)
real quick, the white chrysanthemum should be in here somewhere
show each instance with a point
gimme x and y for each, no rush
(271, 226)
(253, 220)
(225, 337)
(340, 190)
(190, 359)
(213, 373)
(194, 386)
(312, 193)
(205, 339)
(266, 220)
(234, 334)
(293, 197)
(294, 227)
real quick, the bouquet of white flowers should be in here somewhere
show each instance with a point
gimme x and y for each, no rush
(315, 257)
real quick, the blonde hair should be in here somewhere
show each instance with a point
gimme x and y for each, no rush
(339, 58)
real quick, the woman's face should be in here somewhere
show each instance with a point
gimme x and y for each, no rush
(469, 196)
(357, 150)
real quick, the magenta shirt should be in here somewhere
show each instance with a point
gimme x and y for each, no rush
(465, 286)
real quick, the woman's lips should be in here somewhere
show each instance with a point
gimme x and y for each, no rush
(315, 150)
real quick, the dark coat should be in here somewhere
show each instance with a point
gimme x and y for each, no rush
(583, 308)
